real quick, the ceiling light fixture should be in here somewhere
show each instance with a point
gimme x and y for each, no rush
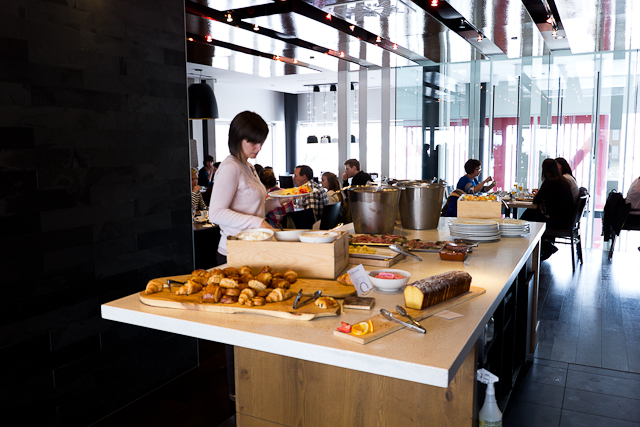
(332, 88)
(255, 27)
(328, 16)
(229, 18)
(202, 101)
(295, 61)
(554, 33)
(341, 54)
(463, 24)
(378, 39)
(352, 27)
(479, 38)
(316, 88)
(190, 39)
(209, 38)
(549, 19)
(395, 46)
(434, 3)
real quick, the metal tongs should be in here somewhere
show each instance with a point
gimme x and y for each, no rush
(297, 304)
(398, 249)
(414, 325)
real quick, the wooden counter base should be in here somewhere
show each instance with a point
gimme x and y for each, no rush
(292, 392)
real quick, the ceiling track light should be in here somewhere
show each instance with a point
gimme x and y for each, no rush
(378, 39)
(463, 24)
(229, 17)
(480, 38)
(332, 88)
(352, 27)
(549, 19)
(434, 3)
(328, 16)
(395, 46)
(316, 88)
(256, 28)
(554, 33)
(209, 38)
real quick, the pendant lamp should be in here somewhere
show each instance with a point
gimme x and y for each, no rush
(202, 101)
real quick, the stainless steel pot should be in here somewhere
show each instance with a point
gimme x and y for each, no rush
(420, 205)
(373, 209)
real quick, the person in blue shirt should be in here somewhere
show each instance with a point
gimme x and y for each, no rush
(469, 182)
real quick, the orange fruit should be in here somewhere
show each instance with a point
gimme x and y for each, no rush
(360, 328)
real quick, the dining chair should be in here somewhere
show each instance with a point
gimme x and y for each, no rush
(572, 236)
(303, 219)
(330, 216)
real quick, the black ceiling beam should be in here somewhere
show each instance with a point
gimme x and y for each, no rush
(238, 15)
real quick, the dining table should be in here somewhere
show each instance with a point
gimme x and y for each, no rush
(512, 206)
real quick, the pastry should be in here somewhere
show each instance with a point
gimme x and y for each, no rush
(212, 293)
(199, 272)
(246, 295)
(345, 280)
(246, 277)
(265, 269)
(277, 275)
(279, 294)
(215, 277)
(154, 286)
(257, 285)
(265, 278)
(436, 289)
(326, 302)
(189, 288)
(258, 301)
(231, 271)
(245, 269)
(228, 283)
(201, 280)
(291, 276)
(228, 300)
(232, 292)
(281, 283)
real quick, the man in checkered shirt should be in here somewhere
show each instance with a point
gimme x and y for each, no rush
(315, 200)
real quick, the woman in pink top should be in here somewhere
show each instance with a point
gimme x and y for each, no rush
(238, 196)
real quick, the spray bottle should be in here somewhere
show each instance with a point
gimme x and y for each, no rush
(489, 415)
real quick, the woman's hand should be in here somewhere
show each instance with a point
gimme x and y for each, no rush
(195, 189)
(265, 224)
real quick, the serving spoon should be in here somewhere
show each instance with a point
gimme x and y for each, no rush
(332, 229)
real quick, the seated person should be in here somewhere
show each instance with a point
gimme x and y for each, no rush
(469, 182)
(565, 170)
(633, 198)
(555, 204)
(450, 207)
(197, 203)
(274, 216)
(317, 198)
(332, 185)
(352, 170)
(205, 176)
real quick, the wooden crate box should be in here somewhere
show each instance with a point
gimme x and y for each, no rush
(488, 209)
(310, 260)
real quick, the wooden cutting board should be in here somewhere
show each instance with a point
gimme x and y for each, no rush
(329, 288)
(383, 326)
(281, 309)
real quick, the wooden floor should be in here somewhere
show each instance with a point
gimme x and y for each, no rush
(587, 366)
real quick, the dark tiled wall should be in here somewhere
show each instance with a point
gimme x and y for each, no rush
(94, 187)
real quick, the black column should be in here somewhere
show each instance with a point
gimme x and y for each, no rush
(291, 129)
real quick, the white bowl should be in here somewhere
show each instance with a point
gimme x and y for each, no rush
(254, 234)
(289, 235)
(318, 237)
(389, 285)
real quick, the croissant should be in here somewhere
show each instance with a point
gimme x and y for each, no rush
(200, 280)
(215, 271)
(246, 277)
(231, 292)
(154, 286)
(265, 278)
(257, 285)
(228, 283)
(345, 280)
(277, 275)
(189, 288)
(246, 295)
(326, 302)
(212, 293)
(279, 294)
(265, 269)
(281, 283)
(199, 272)
(291, 276)
(245, 269)
(231, 271)
(258, 301)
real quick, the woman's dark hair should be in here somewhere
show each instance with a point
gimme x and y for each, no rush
(246, 125)
(258, 168)
(564, 165)
(332, 179)
(550, 173)
(471, 165)
(267, 178)
(207, 158)
(216, 165)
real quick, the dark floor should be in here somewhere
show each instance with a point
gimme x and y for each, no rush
(586, 371)
(587, 366)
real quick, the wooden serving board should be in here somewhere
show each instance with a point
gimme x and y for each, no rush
(383, 326)
(283, 309)
(329, 288)
(382, 258)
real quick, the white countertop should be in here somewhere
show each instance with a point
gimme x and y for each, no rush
(431, 359)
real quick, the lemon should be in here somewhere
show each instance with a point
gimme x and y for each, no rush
(360, 328)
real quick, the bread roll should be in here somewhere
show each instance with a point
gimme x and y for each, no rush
(245, 269)
(291, 276)
(326, 302)
(228, 283)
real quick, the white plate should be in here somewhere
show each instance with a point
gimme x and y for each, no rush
(278, 194)
(512, 221)
(473, 221)
(479, 238)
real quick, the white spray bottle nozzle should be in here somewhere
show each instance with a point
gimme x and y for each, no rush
(488, 378)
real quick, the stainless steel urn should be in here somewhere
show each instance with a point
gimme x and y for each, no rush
(420, 205)
(374, 209)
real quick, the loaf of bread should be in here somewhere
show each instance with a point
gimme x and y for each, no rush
(436, 289)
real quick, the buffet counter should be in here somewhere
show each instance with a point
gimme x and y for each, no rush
(442, 362)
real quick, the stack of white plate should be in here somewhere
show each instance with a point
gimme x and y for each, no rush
(474, 229)
(510, 227)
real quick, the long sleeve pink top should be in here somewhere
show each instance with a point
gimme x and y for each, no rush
(237, 200)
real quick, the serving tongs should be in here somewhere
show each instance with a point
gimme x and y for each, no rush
(169, 281)
(297, 304)
(414, 325)
(398, 249)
